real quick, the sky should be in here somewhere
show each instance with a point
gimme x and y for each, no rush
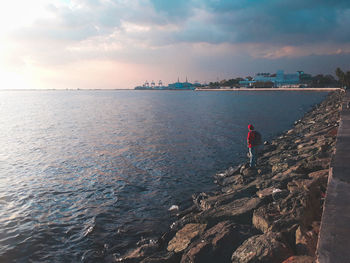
(118, 44)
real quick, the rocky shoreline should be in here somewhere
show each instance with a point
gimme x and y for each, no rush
(268, 214)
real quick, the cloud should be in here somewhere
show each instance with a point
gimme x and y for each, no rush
(209, 38)
(193, 21)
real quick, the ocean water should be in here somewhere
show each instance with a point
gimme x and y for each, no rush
(84, 175)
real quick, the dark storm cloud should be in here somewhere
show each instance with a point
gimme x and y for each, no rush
(285, 22)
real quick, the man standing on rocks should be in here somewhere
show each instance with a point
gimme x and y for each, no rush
(253, 140)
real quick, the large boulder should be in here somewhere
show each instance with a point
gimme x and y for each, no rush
(217, 244)
(265, 216)
(239, 211)
(184, 236)
(266, 248)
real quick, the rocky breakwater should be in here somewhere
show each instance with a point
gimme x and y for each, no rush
(268, 214)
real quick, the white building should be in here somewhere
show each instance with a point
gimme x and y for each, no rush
(278, 79)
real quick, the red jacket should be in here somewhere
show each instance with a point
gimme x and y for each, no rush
(250, 139)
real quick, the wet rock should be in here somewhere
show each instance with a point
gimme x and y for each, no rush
(233, 170)
(198, 199)
(169, 257)
(235, 179)
(184, 236)
(136, 255)
(190, 210)
(186, 219)
(218, 243)
(269, 247)
(219, 177)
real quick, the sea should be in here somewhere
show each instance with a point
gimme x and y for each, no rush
(87, 174)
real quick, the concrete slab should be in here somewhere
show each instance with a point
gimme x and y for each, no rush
(334, 238)
(333, 245)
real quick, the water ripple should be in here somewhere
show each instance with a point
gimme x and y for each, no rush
(85, 175)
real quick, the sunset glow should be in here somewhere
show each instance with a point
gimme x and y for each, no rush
(119, 44)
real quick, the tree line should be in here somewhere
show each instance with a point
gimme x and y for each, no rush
(317, 81)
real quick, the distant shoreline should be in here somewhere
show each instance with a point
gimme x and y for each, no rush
(272, 89)
(197, 89)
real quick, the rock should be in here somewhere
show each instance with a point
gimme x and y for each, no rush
(238, 211)
(319, 164)
(261, 219)
(279, 167)
(248, 189)
(173, 208)
(229, 172)
(222, 199)
(273, 191)
(265, 192)
(332, 133)
(249, 172)
(322, 174)
(299, 259)
(265, 216)
(217, 200)
(276, 195)
(269, 247)
(243, 167)
(186, 219)
(293, 186)
(281, 180)
(136, 255)
(217, 244)
(190, 210)
(306, 241)
(233, 170)
(198, 199)
(169, 257)
(235, 179)
(184, 236)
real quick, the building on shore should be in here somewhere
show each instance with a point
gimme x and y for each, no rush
(173, 86)
(279, 79)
